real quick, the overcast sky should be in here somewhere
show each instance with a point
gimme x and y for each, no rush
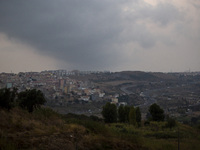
(115, 35)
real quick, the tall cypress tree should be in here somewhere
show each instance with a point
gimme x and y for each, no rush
(138, 116)
(126, 111)
(109, 113)
(132, 116)
(121, 114)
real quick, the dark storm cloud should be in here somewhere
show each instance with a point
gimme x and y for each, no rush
(76, 31)
(81, 32)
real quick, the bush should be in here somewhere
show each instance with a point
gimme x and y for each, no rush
(162, 135)
(156, 112)
(95, 118)
(6, 144)
(147, 123)
(45, 113)
(170, 123)
(31, 99)
(7, 98)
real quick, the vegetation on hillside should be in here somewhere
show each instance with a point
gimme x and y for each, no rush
(123, 114)
(44, 128)
(7, 98)
(157, 113)
(29, 99)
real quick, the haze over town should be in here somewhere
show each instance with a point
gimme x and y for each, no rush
(146, 35)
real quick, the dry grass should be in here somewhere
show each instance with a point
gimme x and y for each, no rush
(29, 131)
(46, 129)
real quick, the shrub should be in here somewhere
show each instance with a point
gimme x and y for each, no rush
(170, 123)
(147, 123)
(7, 98)
(31, 99)
(156, 112)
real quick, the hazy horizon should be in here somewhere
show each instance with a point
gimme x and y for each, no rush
(187, 71)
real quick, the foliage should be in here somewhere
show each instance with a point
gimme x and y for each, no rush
(7, 98)
(92, 123)
(126, 132)
(147, 123)
(132, 116)
(46, 129)
(95, 118)
(127, 111)
(45, 113)
(126, 114)
(198, 126)
(121, 113)
(138, 116)
(5, 144)
(156, 112)
(31, 99)
(109, 113)
(171, 123)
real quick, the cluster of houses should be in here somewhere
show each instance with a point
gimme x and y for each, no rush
(57, 86)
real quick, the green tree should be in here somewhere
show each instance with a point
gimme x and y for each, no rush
(109, 113)
(132, 116)
(121, 114)
(7, 98)
(31, 99)
(156, 112)
(126, 111)
(138, 116)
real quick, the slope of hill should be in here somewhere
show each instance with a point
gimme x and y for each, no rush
(46, 129)
(127, 75)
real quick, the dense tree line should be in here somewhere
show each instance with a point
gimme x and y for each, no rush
(29, 99)
(124, 114)
(132, 115)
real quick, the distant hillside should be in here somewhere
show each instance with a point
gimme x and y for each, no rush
(128, 75)
(143, 76)
(136, 75)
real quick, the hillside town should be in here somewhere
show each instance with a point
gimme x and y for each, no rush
(58, 86)
(85, 92)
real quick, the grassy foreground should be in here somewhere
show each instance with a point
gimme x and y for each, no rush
(46, 129)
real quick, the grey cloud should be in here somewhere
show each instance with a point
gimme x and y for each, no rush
(164, 14)
(82, 33)
(138, 33)
(73, 30)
